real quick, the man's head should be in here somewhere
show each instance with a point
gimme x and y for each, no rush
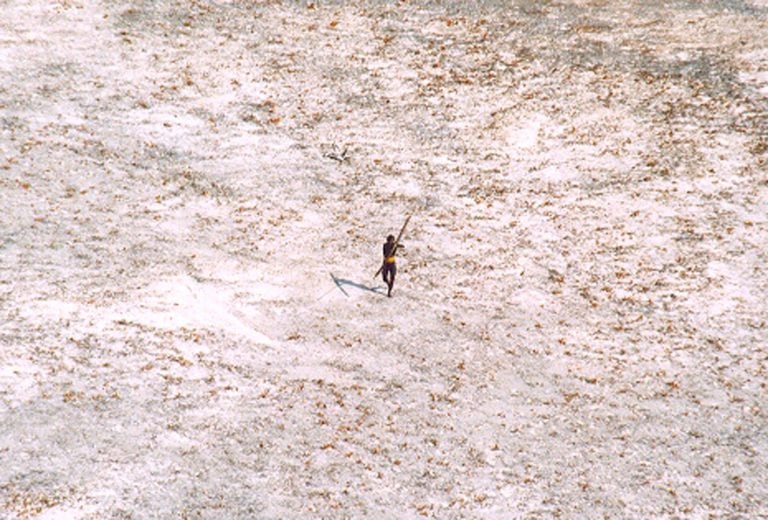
(391, 238)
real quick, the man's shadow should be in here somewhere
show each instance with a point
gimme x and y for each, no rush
(341, 282)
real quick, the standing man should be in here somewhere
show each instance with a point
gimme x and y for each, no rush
(389, 269)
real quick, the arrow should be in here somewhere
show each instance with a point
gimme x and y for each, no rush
(397, 241)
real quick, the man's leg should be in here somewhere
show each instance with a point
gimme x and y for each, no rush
(392, 273)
